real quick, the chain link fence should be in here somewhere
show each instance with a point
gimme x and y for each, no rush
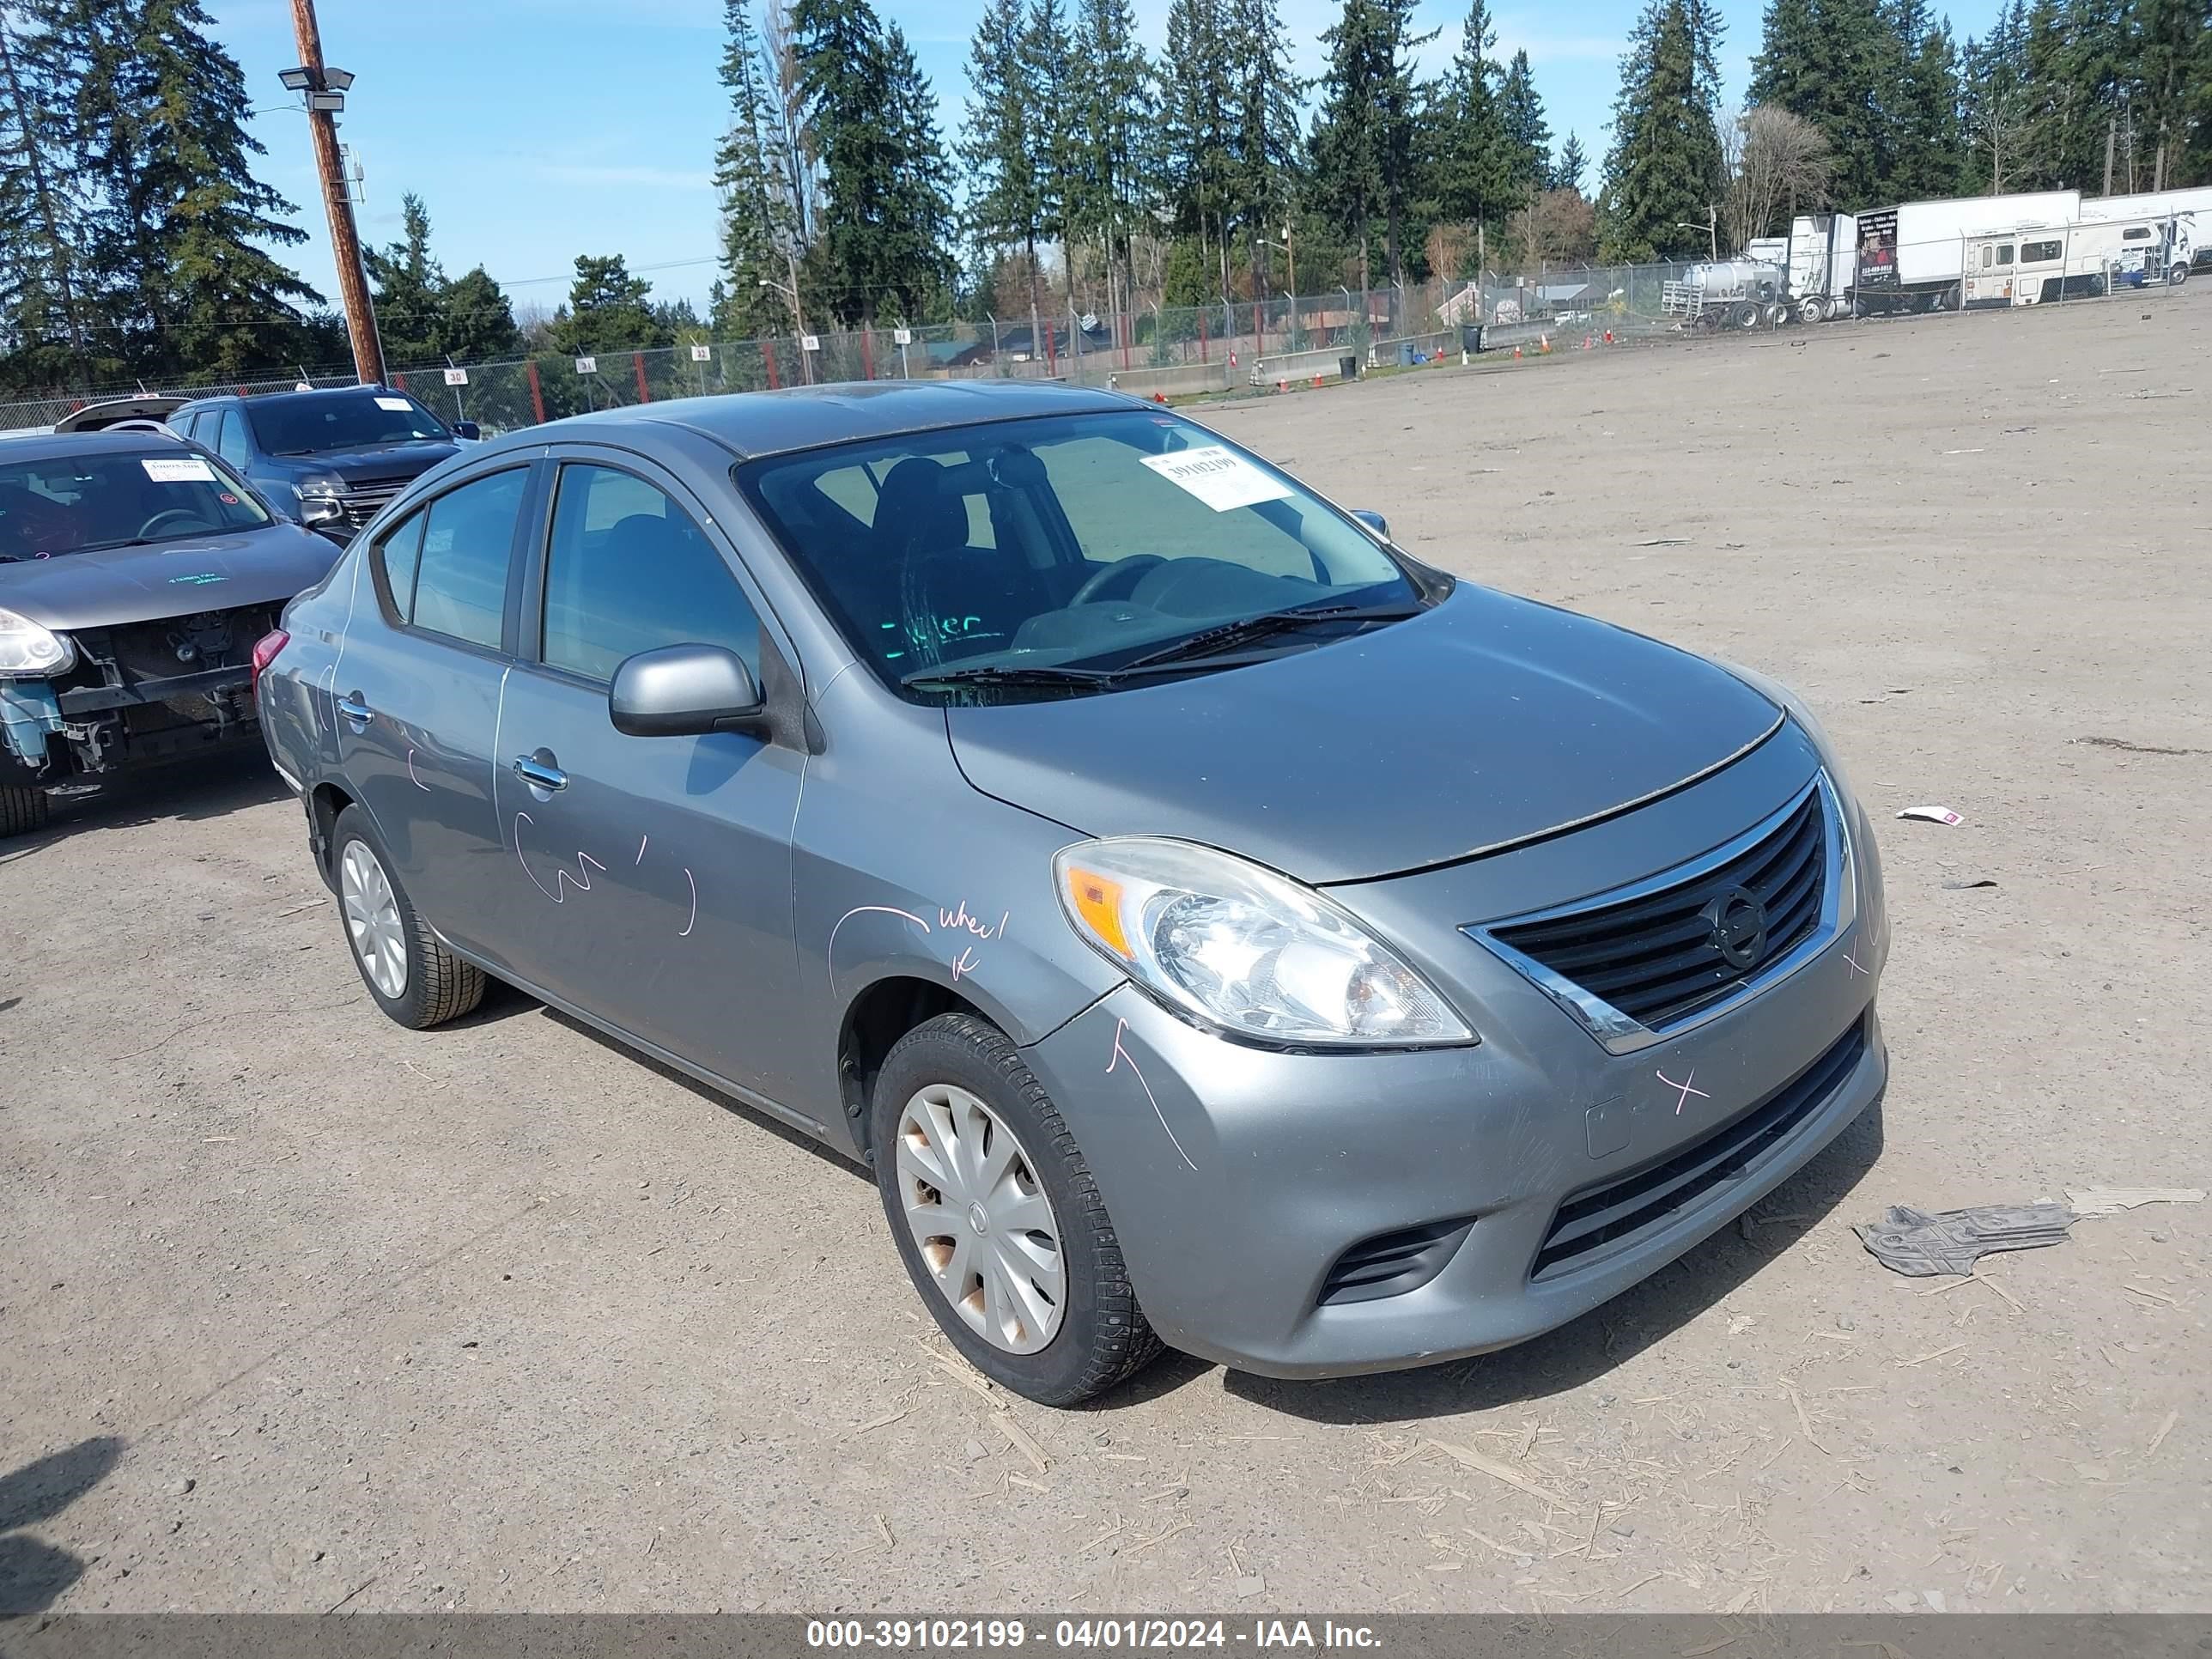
(1170, 350)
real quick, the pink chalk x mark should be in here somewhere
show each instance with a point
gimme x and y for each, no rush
(1115, 1059)
(1683, 1098)
(1858, 967)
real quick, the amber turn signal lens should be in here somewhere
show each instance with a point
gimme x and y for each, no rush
(1098, 900)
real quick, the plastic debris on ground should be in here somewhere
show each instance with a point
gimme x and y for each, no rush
(2110, 1200)
(1932, 814)
(1920, 1245)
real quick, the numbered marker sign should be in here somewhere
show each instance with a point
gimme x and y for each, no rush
(902, 337)
(587, 365)
(703, 354)
(810, 343)
(457, 377)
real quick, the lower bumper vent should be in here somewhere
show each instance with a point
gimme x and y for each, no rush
(1391, 1264)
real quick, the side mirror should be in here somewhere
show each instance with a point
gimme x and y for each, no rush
(1373, 520)
(468, 431)
(682, 692)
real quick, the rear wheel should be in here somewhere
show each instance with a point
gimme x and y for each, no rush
(22, 809)
(407, 967)
(997, 1217)
(1746, 315)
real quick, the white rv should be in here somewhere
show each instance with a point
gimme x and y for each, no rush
(2036, 267)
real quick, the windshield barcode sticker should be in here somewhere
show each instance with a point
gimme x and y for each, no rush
(1220, 477)
(397, 405)
(190, 468)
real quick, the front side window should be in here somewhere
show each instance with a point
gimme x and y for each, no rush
(80, 503)
(461, 564)
(230, 438)
(1071, 543)
(2004, 254)
(322, 424)
(628, 571)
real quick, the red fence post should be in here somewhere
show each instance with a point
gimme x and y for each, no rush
(537, 395)
(867, 354)
(399, 383)
(768, 357)
(637, 363)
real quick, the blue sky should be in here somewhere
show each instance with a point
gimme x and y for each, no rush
(538, 130)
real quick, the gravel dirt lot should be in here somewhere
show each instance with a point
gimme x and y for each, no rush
(298, 1309)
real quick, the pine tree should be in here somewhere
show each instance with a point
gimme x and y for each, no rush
(1051, 121)
(1567, 172)
(1112, 86)
(1003, 210)
(1469, 167)
(1363, 143)
(608, 310)
(44, 312)
(1996, 103)
(1194, 159)
(914, 264)
(409, 288)
(759, 240)
(1928, 156)
(1264, 134)
(1840, 65)
(1664, 172)
(475, 321)
(2174, 43)
(181, 236)
(1528, 135)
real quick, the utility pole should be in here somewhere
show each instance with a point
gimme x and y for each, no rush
(323, 102)
(2111, 126)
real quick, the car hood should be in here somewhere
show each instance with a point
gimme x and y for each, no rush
(385, 461)
(118, 585)
(1486, 721)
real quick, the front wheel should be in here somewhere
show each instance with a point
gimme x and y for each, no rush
(406, 966)
(997, 1217)
(21, 809)
(2178, 272)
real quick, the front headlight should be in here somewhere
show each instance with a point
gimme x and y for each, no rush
(321, 486)
(1245, 950)
(26, 649)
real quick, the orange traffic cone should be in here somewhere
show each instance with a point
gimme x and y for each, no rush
(1543, 342)
(1608, 337)
(1159, 396)
(1517, 352)
(1316, 383)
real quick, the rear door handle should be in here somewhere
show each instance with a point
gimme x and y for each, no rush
(540, 774)
(354, 709)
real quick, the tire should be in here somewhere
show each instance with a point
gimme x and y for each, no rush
(1773, 314)
(424, 984)
(1811, 310)
(1746, 315)
(2177, 273)
(22, 809)
(1055, 1351)
(1954, 297)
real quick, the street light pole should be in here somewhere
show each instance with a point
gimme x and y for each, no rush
(345, 241)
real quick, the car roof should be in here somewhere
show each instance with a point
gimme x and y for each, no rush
(47, 445)
(259, 398)
(757, 424)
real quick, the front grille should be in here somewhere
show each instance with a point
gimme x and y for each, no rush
(1654, 956)
(1616, 1209)
(1390, 1264)
(366, 497)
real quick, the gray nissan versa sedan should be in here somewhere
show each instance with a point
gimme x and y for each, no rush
(1212, 925)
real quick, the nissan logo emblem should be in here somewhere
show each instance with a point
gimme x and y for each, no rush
(1738, 924)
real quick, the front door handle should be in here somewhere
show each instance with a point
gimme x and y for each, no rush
(354, 709)
(540, 774)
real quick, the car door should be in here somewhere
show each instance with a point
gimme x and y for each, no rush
(415, 691)
(647, 880)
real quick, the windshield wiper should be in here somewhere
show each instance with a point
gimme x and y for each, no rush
(931, 679)
(1227, 636)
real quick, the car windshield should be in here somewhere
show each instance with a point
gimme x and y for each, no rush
(78, 503)
(1067, 554)
(351, 420)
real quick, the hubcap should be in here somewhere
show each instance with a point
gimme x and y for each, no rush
(371, 918)
(986, 1231)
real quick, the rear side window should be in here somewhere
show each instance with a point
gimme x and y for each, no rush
(2137, 234)
(399, 553)
(629, 572)
(2036, 253)
(460, 563)
(2004, 254)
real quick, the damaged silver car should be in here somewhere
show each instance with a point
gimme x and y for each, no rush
(137, 573)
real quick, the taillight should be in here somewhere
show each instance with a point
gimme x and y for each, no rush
(265, 651)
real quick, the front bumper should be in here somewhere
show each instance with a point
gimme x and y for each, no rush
(1238, 1177)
